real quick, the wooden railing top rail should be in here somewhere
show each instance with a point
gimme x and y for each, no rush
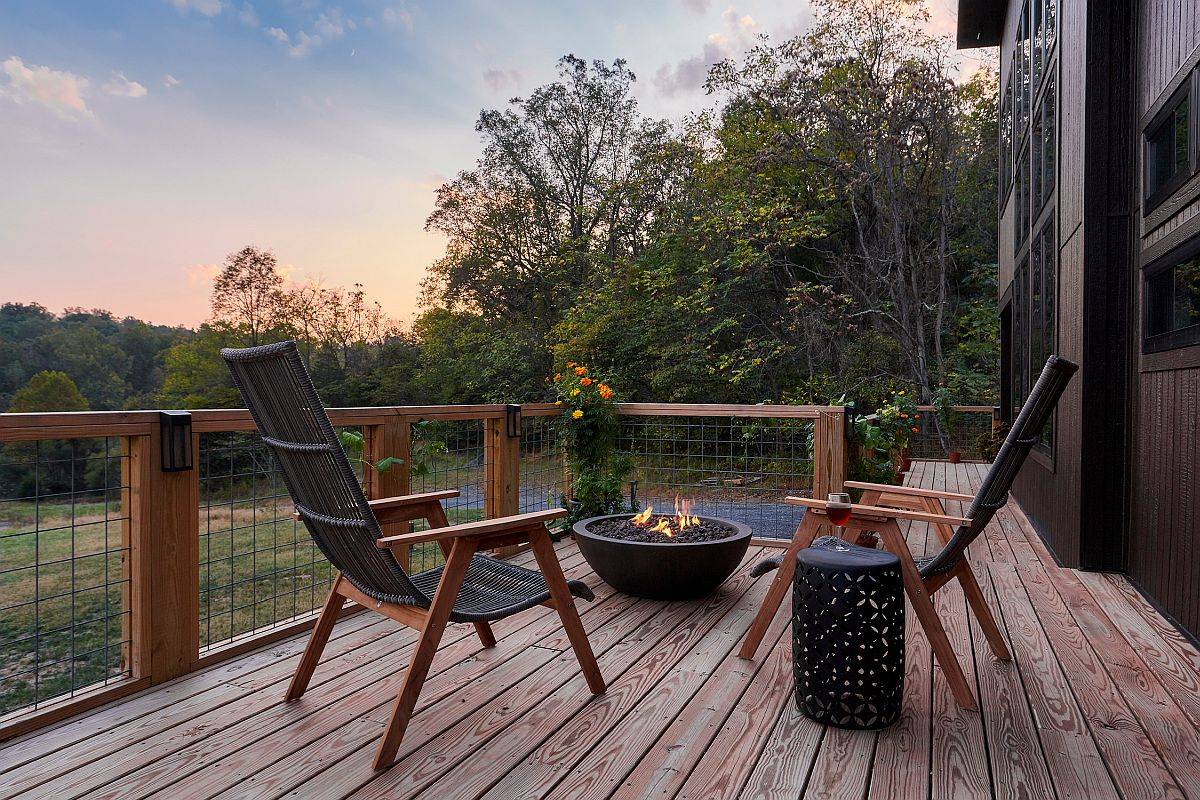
(83, 424)
(723, 410)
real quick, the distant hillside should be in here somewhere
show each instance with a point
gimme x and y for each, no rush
(116, 363)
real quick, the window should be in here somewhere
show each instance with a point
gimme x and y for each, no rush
(1006, 141)
(1049, 143)
(1168, 161)
(1033, 143)
(1021, 198)
(1173, 301)
(1046, 308)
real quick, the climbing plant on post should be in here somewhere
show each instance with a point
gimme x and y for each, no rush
(589, 429)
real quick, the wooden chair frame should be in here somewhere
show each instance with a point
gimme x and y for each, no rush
(458, 543)
(878, 510)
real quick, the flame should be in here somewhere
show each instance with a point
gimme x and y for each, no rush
(668, 526)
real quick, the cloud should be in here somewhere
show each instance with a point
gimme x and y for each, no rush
(249, 17)
(120, 86)
(60, 91)
(690, 73)
(332, 25)
(207, 8)
(696, 6)
(398, 16)
(744, 22)
(498, 79)
(170, 81)
(327, 27)
(201, 274)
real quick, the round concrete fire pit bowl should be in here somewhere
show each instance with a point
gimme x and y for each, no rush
(663, 570)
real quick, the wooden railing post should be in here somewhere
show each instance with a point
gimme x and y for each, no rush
(164, 556)
(391, 439)
(829, 452)
(502, 466)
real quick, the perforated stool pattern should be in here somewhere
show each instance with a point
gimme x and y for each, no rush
(848, 635)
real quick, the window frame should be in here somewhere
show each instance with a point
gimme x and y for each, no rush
(1178, 338)
(1185, 94)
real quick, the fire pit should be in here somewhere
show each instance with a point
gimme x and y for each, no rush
(662, 557)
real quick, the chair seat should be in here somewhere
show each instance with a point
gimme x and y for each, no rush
(495, 589)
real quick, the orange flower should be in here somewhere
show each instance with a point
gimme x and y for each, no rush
(557, 377)
(585, 382)
(576, 414)
(570, 364)
(914, 430)
(605, 391)
(581, 370)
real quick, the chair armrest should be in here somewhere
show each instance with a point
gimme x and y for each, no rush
(483, 528)
(396, 509)
(912, 491)
(388, 506)
(881, 512)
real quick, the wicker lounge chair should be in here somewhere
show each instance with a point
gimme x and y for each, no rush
(469, 587)
(882, 505)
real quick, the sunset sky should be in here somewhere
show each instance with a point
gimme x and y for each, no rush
(143, 140)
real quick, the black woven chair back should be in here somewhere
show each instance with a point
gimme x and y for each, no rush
(1025, 433)
(292, 420)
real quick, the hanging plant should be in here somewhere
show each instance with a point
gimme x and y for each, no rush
(589, 428)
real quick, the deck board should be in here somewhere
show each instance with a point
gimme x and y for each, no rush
(1102, 700)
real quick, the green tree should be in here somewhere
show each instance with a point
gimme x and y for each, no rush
(48, 391)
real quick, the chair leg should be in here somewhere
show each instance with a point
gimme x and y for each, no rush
(435, 515)
(316, 642)
(564, 603)
(927, 615)
(486, 637)
(979, 605)
(970, 587)
(805, 533)
(418, 665)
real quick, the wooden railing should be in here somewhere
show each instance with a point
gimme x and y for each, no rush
(971, 428)
(205, 563)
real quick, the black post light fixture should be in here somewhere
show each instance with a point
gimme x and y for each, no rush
(175, 432)
(512, 420)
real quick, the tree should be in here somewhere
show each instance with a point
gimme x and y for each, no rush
(866, 103)
(247, 292)
(48, 391)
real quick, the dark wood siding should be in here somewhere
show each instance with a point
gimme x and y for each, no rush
(1049, 489)
(1163, 551)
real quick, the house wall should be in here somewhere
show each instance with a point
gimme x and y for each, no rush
(1048, 487)
(1163, 552)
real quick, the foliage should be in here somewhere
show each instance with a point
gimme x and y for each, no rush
(48, 391)
(589, 429)
(879, 440)
(353, 442)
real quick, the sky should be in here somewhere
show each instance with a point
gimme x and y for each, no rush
(143, 140)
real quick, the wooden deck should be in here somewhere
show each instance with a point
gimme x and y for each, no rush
(1102, 701)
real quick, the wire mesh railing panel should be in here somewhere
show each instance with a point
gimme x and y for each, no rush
(258, 566)
(969, 433)
(737, 468)
(447, 455)
(542, 466)
(64, 613)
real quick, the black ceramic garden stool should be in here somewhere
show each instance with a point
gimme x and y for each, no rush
(848, 634)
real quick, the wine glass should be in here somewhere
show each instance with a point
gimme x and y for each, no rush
(838, 508)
